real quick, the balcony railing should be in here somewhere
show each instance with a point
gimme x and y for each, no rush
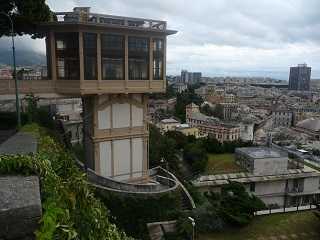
(103, 19)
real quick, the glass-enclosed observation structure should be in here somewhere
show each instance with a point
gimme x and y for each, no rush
(90, 53)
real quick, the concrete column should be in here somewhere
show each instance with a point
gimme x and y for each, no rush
(131, 158)
(164, 61)
(81, 60)
(126, 61)
(112, 159)
(150, 61)
(53, 57)
(99, 58)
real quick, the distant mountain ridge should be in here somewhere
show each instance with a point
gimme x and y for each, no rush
(23, 57)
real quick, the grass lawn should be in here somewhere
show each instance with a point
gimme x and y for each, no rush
(222, 163)
(298, 226)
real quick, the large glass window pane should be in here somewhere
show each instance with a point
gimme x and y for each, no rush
(138, 58)
(67, 52)
(90, 55)
(112, 57)
(158, 59)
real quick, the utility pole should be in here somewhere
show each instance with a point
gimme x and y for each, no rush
(14, 71)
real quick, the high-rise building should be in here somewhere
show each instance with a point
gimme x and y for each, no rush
(190, 77)
(299, 78)
(196, 77)
(184, 76)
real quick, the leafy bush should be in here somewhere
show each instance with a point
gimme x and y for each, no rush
(133, 212)
(196, 156)
(234, 205)
(70, 209)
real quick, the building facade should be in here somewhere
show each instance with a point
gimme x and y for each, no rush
(299, 78)
(268, 174)
(111, 63)
(211, 126)
(282, 118)
(190, 77)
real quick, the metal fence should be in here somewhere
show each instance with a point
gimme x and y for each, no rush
(285, 210)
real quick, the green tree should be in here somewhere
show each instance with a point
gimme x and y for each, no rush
(235, 206)
(196, 156)
(162, 147)
(218, 111)
(212, 145)
(183, 99)
(25, 15)
(180, 139)
(207, 110)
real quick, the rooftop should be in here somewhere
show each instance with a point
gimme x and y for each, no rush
(169, 120)
(261, 152)
(246, 177)
(84, 16)
(312, 124)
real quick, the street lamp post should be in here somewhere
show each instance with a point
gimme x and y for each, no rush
(14, 71)
(193, 226)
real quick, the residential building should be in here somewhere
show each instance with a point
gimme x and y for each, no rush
(299, 78)
(269, 174)
(5, 73)
(188, 131)
(228, 110)
(229, 98)
(210, 125)
(180, 87)
(246, 130)
(168, 124)
(282, 117)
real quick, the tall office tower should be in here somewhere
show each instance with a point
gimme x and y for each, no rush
(299, 78)
(196, 77)
(190, 77)
(111, 62)
(184, 76)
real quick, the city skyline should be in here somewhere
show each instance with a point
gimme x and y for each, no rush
(217, 38)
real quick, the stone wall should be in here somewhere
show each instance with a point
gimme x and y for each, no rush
(20, 207)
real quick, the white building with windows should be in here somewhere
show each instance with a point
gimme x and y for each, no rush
(270, 175)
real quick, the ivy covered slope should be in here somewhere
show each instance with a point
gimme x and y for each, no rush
(70, 209)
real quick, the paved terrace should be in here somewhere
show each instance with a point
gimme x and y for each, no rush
(20, 143)
(245, 177)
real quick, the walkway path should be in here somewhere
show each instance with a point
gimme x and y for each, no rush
(20, 143)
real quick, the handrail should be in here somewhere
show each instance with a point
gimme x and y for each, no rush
(111, 20)
(166, 184)
(183, 188)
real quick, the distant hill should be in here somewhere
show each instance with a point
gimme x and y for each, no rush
(23, 57)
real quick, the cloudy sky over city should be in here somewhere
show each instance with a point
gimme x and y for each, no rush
(220, 37)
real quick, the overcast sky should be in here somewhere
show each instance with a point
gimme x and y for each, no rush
(224, 37)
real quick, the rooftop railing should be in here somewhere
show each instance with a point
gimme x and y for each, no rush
(111, 20)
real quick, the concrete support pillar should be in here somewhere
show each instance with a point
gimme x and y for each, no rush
(150, 61)
(164, 62)
(81, 60)
(99, 58)
(126, 61)
(53, 57)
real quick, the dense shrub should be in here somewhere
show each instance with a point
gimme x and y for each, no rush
(196, 156)
(234, 204)
(70, 209)
(133, 212)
